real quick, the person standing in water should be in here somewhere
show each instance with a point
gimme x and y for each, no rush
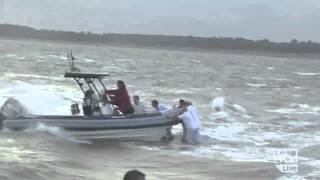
(191, 124)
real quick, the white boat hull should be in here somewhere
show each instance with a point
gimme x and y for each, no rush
(101, 127)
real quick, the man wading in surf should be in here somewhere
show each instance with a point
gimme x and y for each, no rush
(191, 123)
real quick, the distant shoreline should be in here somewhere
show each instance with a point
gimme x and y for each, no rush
(232, 52)
(13, 32)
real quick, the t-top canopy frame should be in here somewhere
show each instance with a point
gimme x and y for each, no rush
(90, 79)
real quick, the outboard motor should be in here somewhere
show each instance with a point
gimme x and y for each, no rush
(12, 108)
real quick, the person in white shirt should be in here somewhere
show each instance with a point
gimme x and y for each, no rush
(191, 124)
(158, 107)
(138, 106)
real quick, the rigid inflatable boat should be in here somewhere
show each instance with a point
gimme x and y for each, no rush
(89, 125)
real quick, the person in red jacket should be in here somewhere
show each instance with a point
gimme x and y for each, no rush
(121, 98)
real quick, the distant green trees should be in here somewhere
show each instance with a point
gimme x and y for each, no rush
(161, 41)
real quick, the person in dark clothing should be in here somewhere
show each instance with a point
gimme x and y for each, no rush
(134, 175)
(121, 98)
(182, 103)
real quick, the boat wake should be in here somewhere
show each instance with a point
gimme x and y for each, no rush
(31, 97)
(14, 108)
(56, 131)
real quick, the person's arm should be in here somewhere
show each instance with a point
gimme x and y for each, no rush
(112, 92)
(181, 114)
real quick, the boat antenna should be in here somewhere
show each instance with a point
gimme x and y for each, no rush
(71, 63)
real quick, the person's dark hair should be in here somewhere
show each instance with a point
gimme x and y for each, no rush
(181, 101)
(136, 96)
(121, 84)
(88, 93)
(134, 175)
(154, 102)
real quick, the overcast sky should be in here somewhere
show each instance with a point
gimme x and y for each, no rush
(278, 20)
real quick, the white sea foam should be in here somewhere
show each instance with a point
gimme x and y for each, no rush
(124, 60)
(256, 85)
(299, 123)
(43, 128)
(88, 60)
(177, 129)
(257, 78)
(271, 68)
(307, 74)
(196, 61)
(305, 107)
(244, 154)
(222, 115)
(315, 163)
(178, 91)
(39, 99)
(282, 111)
(41, 57)
(295, 108)
(291, 177)
(15, 154)
(17, 75)
(11, 55)
(226, 132)
(153, 148)
(13, 151)
(57, 57)
(225, 111)
(251, 145)
(112, 67)
(56, 131)
(218, 103)
(239, 108)
(282, 79)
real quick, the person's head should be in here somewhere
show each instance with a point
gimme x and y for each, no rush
(134, 175)
(154, 103)
(182, 102)
(88, 93)
(121, 85)
(136, 99)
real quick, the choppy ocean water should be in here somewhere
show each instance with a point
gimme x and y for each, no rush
(268, 104)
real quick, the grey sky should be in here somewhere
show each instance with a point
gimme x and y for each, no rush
(279, 20)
